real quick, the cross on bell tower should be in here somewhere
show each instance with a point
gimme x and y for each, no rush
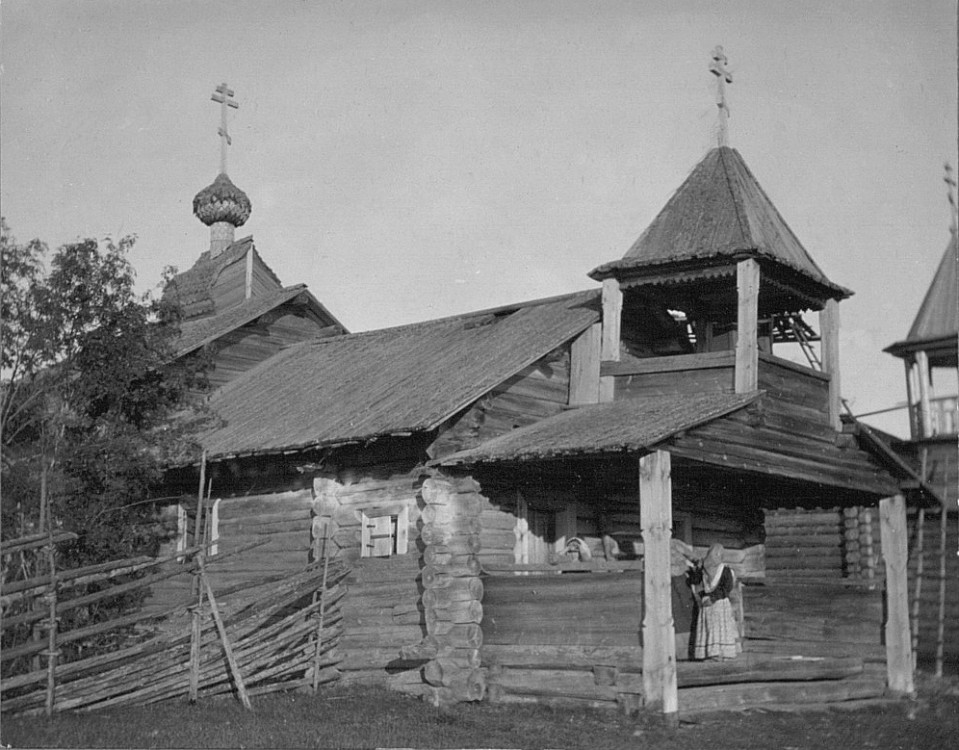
(224, 97)
(718, 68)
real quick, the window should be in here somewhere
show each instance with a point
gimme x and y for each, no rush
(542, 533)
(384, 532)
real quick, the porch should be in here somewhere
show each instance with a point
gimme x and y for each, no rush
(575, 639)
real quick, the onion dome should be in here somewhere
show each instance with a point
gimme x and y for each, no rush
(222, 201)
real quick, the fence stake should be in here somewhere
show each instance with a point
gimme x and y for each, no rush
(197, 589)
(52, 625)
(319, 626)
(227, 648)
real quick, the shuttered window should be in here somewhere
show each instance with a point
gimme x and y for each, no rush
(384, 533)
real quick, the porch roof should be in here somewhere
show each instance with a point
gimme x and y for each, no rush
(710, 428)
(625, 426)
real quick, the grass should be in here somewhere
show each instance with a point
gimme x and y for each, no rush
(368, 718)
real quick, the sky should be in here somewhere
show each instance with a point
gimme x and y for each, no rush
(414, 159)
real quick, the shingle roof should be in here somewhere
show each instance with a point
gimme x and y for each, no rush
(625, 426)
(385, 382)
(938, 316)
(192, 289)
(199, 331)
(719, 212)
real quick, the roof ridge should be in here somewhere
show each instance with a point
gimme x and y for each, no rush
(735, 191)
(453, 319)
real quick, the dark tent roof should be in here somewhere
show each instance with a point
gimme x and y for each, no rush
(392, 381)
(720, 213)
(936, 327)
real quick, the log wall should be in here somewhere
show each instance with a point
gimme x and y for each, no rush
(245, 347)
(229, 288)
(670, 376)
(537, 392)
(804, 543)
(573, 640)
(382, 611)
(453, 592)
(382, 614)
(280, 521)
(801, 387)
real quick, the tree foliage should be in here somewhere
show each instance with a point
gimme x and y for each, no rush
(94, 402)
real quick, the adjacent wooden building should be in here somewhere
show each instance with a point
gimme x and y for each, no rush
(929, 353)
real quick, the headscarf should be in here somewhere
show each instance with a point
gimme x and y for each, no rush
(713, 565)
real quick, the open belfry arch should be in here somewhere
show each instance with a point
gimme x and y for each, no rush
(511, 487)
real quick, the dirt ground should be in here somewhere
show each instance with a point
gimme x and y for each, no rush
(373, 718)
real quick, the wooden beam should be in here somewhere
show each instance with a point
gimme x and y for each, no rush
(659, 643)
(672, 363)
(925, 413)
(747, 326)
(612, 325)
(911, 401)
(584, 358)
(829, 329)
(248, 286)
(894, 537)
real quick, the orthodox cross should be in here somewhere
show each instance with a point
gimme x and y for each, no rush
(951, 195)
(224, 96)
(723, 76)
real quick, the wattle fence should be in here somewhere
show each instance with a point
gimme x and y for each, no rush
(273, 634)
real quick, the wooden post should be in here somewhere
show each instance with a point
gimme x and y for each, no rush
(319, 625)
(917, 586)
(35, 634)
(941, 622)
(925, 412)
(584, 367)
(911, 402)
(612, 328)
(894, 538)
(659, 640)
(829, 327)
(225, 641)
(196, 630)
(747, 326)
(52, 624)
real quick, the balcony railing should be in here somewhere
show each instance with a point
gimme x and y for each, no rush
(943, 417)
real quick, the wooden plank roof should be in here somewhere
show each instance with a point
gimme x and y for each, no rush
(625, 426)
(710, 428)
(192, 289)
(197, 332)
(719, 213)
(936, 326)
(392, 381)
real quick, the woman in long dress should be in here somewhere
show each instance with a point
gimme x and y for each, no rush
(717, 634)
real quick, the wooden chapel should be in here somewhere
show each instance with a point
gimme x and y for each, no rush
(452, 463)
